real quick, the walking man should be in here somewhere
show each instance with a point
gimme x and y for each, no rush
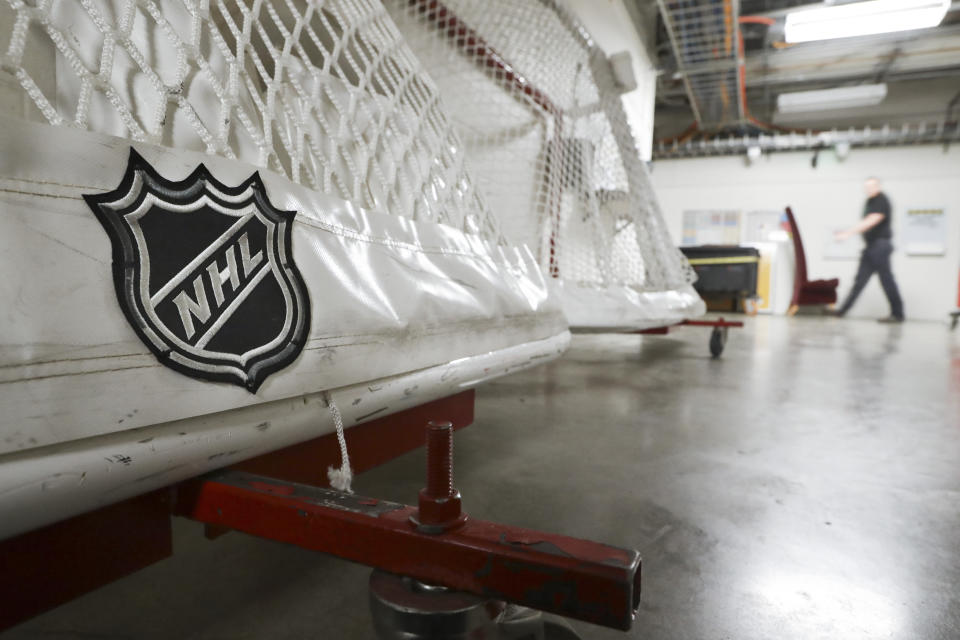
(877, 232)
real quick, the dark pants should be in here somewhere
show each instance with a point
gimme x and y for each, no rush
(876, 258)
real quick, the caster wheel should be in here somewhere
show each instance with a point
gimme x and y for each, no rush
(718, 340)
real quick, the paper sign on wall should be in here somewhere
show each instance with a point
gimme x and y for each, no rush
(848, 249)
(711, 227)
(924, 231)
(762, 226)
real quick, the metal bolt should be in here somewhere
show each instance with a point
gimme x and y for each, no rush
(439, 504)
(439, 459)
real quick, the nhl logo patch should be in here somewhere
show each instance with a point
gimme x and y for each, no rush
(205, 274)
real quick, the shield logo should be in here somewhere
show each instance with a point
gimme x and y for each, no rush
(205, 273)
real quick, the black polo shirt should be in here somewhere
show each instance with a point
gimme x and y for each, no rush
(878, 204)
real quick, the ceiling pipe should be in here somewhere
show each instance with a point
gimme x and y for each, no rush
(886, 136)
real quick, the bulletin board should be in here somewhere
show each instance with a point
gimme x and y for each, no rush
(711, 227)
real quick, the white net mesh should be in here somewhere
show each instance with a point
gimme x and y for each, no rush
(536, 105)
(325, 93)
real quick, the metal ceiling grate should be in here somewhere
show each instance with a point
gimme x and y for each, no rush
(704, 35)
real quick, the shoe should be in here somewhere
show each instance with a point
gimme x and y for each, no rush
(832, 313)
(890, 320)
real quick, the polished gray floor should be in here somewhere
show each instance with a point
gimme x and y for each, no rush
(805, 486)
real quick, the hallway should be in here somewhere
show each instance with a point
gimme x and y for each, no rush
(804, 486)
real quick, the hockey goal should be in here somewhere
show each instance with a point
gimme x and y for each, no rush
(537, 105)
(313, 121)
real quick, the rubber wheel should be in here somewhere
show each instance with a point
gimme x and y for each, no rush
(718, 339)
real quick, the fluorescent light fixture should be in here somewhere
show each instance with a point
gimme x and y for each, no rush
(861, 95)
(863, 19)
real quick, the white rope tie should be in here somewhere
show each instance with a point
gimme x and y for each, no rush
(342, 478)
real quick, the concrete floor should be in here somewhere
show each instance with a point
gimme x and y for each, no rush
(805, 486)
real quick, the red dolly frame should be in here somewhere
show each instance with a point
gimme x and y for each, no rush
(718, 337)
(576, 578)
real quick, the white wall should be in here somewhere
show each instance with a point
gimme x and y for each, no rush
(830, 196)
(612, 28)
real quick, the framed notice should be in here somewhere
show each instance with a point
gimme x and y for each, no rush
(924, 232)
(710, 227)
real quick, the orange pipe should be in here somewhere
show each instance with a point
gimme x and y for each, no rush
(743, 78)
(756, 20)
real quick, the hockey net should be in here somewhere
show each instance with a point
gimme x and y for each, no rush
(324, 93)
(537, 106)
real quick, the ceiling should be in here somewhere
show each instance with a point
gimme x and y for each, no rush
(702, 63)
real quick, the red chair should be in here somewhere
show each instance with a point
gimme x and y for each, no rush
(807, 291)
